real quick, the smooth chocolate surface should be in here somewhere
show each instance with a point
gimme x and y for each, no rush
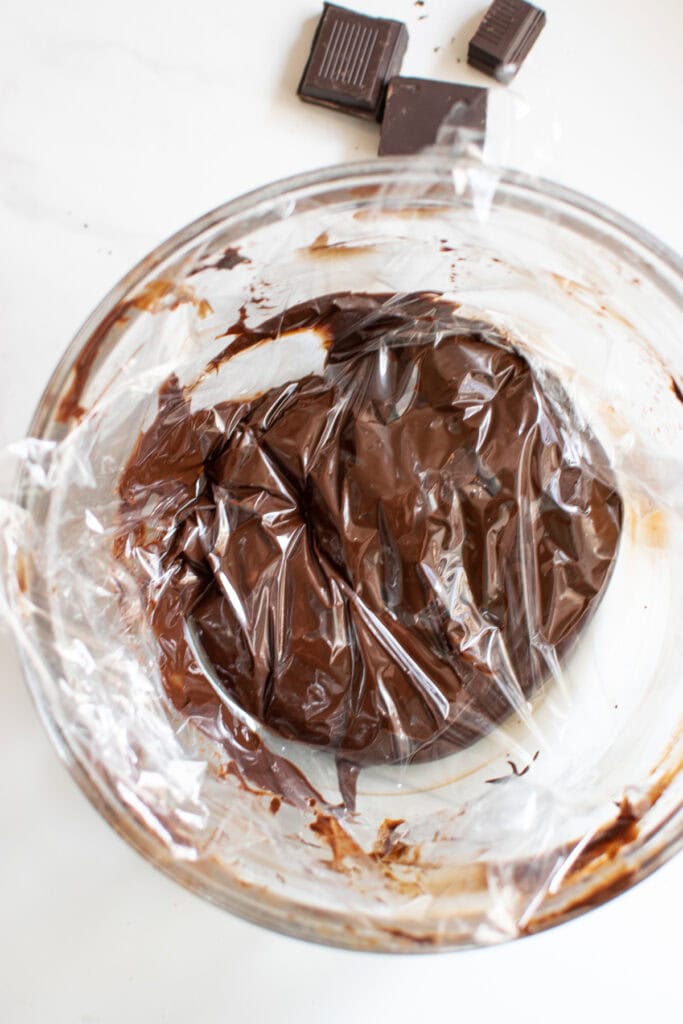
(416, 108)
(505, 36)
(352, 58)
(384, 559)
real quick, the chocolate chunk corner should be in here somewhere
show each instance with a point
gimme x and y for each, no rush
(352, 58)
(504, 38)
(416, 108)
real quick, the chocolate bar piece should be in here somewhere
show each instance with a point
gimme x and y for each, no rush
(507, 32)
(416, 109)
(352, 59)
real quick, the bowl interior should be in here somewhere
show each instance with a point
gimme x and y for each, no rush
(567, 802)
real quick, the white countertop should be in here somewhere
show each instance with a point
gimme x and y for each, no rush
(120, 122)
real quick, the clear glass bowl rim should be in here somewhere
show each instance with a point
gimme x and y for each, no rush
(663, 266)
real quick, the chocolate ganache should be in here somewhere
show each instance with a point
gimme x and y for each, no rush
(384, 559)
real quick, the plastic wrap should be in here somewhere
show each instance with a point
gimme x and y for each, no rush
(345, 555)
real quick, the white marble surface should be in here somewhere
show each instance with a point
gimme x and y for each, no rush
(119, 122)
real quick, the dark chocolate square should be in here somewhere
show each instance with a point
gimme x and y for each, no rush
(352, 59)
(417, 107)
(505, 35)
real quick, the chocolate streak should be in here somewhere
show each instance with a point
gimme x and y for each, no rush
(384, 560)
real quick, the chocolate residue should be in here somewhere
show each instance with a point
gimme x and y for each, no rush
(506, 778)
(322, 247)
(389, 849)
(256, 768)
(608, 842)
(320, 242)
(606, 847)
(385, 834)
(70, 405)
(153, 298)
(162, 295)
(411, 937)
(652, 528)
(387, 853)
(231, 258)
(403, 212)
(343, 847)
(275, 805)
(21, 571)
(347, 774)
(516, 772)
(348, 544)
(676, 389)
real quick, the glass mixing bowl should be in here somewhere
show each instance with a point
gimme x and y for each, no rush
(556, 810)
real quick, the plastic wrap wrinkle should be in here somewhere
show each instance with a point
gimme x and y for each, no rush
(382, 559)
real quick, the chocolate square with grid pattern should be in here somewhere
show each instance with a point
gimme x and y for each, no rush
(351, 61)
